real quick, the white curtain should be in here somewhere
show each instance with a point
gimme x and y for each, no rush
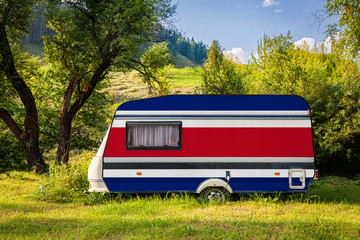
(149, 135)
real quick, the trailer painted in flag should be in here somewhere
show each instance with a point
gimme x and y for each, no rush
(196, 143)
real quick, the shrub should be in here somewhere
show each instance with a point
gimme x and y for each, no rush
(66, 182)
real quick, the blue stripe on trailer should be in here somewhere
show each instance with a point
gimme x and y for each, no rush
(218, 103)
(143, 185)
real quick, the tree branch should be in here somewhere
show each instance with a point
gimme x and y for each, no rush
(98, 75)
(102, 95)
(24, 92)
(5, 116)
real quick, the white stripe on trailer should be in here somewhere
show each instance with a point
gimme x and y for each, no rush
(208, 159)
(211, 113)
(231, 123)
(200, 173)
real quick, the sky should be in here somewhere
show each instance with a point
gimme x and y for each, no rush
(239, 24)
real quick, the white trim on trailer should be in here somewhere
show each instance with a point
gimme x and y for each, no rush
(231, 123)
(95, 170)
(204, 173)
(211, 113)
(207, 159)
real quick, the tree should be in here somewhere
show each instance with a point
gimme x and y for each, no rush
(329, 83)
(155, 63)
(349, 23)
(279, 74)
(183, 48)
(15, 16)
(91, 36)
(220, 74)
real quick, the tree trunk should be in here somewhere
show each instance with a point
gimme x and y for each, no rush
(63, 146)
(67, 112)
(28, 141)
(29, 138)
(30, 145)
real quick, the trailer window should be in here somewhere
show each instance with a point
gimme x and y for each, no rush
(153, 135)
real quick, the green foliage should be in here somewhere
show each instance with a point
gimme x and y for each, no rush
(156, 63)
(348, 27)
(91, 36)
(158, 56)
(88, 31)
(278, 72)
(221, 75)
(11, 153)
(329, 83)
(90, 124)
(187, 53)
(181, 61)
(16, 15)
(28, 68)
(67, 182)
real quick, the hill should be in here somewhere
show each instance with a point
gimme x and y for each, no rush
(129, 86)
(187, 52)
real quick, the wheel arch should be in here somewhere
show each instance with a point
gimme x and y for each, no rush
(214, 182)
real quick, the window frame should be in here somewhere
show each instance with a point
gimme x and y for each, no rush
(132, 123)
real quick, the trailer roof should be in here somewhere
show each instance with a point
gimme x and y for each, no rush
(218, 103)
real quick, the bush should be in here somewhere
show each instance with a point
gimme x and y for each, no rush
(12, 155)
(66, 182)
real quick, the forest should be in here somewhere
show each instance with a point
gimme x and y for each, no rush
(59, 104)
(186, 52)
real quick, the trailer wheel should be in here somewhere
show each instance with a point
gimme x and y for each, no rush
(214, 194)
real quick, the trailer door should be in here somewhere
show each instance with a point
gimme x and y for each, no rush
(297, 178)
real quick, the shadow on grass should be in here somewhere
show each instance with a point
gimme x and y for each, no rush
(317, 194)
(325, 190)
(168, 227)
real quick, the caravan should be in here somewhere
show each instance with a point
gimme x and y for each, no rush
(196, 143)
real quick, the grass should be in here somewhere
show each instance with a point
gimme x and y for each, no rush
(129, 86)
(318, 214)
(336, 189)
(330, 209)
(186, 80)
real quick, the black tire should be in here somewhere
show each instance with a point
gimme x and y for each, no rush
(214, 194)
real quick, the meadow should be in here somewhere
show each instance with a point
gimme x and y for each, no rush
(57, 206)
(128, 86)
(329, 210)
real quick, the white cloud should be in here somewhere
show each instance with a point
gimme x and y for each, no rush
(237, 55)
(278, 10)
(306, 43)
(270, 3)
(326, 45)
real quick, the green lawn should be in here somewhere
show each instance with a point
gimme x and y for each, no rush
(325, 212)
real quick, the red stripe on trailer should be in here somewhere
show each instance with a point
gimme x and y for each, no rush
(224, 142)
